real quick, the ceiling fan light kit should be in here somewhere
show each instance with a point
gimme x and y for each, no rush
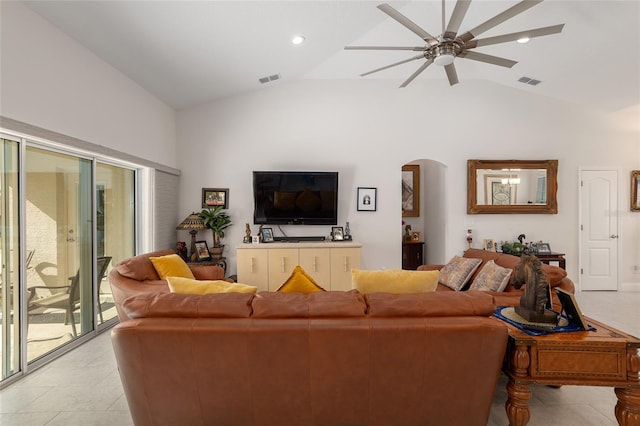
(445, 48)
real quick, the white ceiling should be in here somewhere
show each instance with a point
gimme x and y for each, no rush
(192, 52)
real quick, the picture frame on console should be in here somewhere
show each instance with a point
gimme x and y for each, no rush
(367, 199)
(489, 244)
(544, 248)
(337, 233)
(416, 236)
(202, 251)
(267, 235)
(214, 197)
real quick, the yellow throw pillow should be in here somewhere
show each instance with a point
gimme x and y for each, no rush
(300, 282)
(171, 265)
(189, 286)
(395, 281)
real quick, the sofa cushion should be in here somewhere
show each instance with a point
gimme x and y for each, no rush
(491, 278)
(458, 271)
(436, 304)
(171, 265)
(139, 267)
(207, 272)
(300, 282)
(395, 281)
(189, 286)
(324, 304)
(175, 305)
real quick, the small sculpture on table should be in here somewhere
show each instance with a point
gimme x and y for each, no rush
(537, 292)
(407, 233)
(247, 234)
(181, 250)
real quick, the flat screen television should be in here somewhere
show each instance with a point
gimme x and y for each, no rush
(295, 198)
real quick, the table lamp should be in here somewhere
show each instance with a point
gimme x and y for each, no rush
(193, 223)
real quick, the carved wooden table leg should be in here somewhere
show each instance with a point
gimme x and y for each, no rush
(517, 404)
(628, 406)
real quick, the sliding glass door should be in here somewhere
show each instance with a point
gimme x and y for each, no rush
(59, 227)
(65, 220)
(115, 228)
(9, 258)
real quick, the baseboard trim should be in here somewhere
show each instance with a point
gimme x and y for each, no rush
(630, 287)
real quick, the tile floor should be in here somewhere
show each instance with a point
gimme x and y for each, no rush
(83, 388)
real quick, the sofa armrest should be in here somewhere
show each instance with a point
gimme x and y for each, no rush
(430, 267)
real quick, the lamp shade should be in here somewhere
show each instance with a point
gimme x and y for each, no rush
(192, 222)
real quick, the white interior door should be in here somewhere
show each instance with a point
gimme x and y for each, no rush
(599, 230)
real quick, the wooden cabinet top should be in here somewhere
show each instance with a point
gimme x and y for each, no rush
(304, 244)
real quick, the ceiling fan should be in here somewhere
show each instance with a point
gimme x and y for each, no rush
(445, 48)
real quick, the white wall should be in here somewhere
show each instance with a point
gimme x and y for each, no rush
(366, 130)
(50, 81)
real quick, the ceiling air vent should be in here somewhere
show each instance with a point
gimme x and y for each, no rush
(527, 80)
(269, 78)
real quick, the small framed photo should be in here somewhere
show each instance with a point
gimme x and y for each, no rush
(544, 248)
(202, 251)
(255, 238)
(489, 244)
(367, 199)
(337, 233)
(214, 197)
(267, 235)
(416, 236)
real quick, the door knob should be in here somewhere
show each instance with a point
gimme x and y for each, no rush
(613, 236)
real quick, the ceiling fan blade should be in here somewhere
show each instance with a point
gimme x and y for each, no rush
(393, 65)
(408, 23)
(538, 32)
(459, 11)
(417, 73)
(483, 57)
(415, 49)
(452, 75)
(499, 18)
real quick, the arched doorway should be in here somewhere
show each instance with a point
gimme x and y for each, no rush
(431, 220)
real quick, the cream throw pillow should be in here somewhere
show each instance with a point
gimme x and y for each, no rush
(171, 265)
(458, 271)
(395, 281)
(491, 277)
(189, 286)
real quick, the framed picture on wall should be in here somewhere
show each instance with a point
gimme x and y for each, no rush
(214, 197)
(367, 199)
(411, 190)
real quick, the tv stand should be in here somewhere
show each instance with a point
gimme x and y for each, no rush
(297, 239)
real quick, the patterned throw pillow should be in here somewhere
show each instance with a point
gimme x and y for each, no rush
(458, 271)
(491, 278)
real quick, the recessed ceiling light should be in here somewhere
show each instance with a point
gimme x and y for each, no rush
(523, 40)
(297, 39)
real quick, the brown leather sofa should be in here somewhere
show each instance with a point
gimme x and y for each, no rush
(326, 358)
(510, 296)
(137, 275)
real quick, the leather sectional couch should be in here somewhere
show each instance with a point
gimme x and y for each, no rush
(510, 296)
(326, 358)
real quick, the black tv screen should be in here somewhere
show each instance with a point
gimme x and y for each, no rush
(295, 198)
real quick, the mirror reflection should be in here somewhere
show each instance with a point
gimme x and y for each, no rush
(512, 186)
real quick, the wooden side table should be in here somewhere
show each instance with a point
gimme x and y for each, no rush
(222, 262)
(604, 357)
(553, 257)
(412, 254)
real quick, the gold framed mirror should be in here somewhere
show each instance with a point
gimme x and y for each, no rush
(635, 190)
(512, 186)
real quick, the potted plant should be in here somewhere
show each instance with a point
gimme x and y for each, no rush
(217, 220)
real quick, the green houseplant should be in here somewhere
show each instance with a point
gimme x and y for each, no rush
(218, 221)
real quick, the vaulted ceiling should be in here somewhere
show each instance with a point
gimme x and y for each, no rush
(192, 52)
